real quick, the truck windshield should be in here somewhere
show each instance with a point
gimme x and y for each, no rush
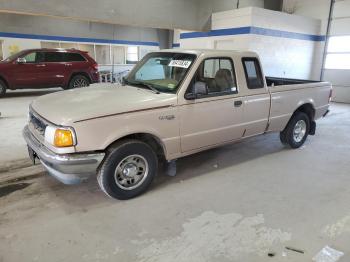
(163, 71)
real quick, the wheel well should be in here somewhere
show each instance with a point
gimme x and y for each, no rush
(149, 139)
(81, 73)
(307, 109)
(4, 80)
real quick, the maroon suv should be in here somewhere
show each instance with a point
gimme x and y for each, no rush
(43, 68)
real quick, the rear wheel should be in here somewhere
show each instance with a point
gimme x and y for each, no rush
(296, 130)
(128, 170)
(3, 88)
(78, 81)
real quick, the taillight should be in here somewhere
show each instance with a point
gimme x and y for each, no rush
(95, 66)
(330, 95)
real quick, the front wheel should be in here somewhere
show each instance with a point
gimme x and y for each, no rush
(2, 88)
(296, 130)
(128, 170)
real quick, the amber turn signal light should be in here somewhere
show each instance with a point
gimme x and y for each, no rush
(63, 138)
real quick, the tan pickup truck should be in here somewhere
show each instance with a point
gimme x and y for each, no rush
(172, 104)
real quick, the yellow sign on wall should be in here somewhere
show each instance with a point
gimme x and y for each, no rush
(13, 49)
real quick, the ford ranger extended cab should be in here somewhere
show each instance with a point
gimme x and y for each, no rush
(172, 104)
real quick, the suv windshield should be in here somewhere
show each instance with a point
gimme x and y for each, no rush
(163, 71)
(14, 56)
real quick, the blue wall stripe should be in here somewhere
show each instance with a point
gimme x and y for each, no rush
(77, 39)
(176, 45)
(217, 32)
(253, 30)
(286, 34)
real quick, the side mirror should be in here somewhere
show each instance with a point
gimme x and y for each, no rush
(199, 89)
(21, 60)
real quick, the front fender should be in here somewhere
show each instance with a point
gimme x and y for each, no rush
(98, 134)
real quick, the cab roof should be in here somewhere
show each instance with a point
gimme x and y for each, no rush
(54, 50)
(209, 51)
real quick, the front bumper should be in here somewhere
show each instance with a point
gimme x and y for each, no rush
(68, 168)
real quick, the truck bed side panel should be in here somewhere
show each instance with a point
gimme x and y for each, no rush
(288, 98)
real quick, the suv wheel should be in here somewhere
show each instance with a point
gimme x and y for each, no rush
(296, 130)
(128, 170)
(3, 88)
(78, 81)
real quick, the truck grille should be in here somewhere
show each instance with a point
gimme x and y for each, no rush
(38, 124)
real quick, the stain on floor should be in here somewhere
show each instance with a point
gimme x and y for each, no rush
(6, 190)
(212, 235)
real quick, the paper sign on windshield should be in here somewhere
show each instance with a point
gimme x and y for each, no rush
(180, 63)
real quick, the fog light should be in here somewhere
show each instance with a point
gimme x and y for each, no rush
(63, 138)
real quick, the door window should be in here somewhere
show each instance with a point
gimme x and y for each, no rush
(253, 73)
(218, 75)
(30, 58)
(34, 57)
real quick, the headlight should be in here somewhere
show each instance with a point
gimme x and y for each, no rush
(59, 137)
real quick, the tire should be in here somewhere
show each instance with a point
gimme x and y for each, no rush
(283, 138)
(296, 131)
(78, 81)
(128, 169)
(3, 88)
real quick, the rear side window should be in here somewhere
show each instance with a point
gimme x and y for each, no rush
(53, 57)
(253, 73)
(73, 57)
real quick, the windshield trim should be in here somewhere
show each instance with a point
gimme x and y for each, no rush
(161, 90)
(13, 57)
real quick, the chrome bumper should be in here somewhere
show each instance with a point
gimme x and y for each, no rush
(69, 168)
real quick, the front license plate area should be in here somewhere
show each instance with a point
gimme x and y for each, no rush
(32, 155)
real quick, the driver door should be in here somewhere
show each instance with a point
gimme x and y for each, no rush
(216, 117)
(31, 73)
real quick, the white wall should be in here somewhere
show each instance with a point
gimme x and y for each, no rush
(25, 29)
(340, 26)
(318, 9)
(280, 56)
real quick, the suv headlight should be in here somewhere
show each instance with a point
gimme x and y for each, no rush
(60, 136)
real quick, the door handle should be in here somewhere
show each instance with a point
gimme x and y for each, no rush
(238, 103)
(68, 64)
(42, 65)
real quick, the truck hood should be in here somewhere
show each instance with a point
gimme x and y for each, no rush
(67, 107)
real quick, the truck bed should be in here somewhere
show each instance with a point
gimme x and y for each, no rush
(276, 81)
(286, 97)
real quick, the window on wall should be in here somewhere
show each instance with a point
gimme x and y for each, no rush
(338, 56)
(118, 56)
(87, 48)
(143, 51)
(69, 45)
(103, 54)
(50, 45)
(132, 56)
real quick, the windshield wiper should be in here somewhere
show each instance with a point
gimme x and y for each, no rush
(139, 83)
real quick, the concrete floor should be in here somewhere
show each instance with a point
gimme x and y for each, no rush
(235, 203)
(14, 115)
